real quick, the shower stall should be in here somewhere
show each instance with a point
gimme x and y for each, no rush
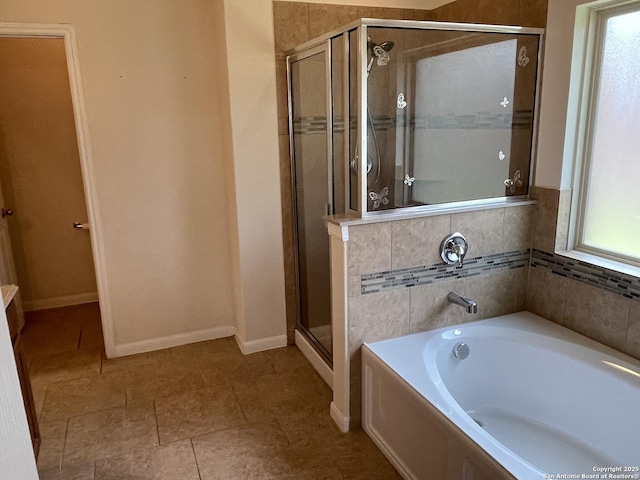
(394, 117)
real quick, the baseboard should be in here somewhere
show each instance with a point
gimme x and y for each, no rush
(314, 358)
(341, 419)
(46, 303)
(261, 345)
(173, 341)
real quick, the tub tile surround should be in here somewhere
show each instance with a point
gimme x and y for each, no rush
(395, 306)
(594, 301)
(395, 313)
(604, 316)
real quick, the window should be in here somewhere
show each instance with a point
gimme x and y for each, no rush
(607, 223)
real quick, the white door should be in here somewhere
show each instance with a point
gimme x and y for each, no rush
(7, 265)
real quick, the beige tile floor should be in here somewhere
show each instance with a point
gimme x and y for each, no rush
(202, 411)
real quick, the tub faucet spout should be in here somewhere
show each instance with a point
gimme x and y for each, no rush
(459, 299)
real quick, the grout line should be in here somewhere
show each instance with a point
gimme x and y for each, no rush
(155, 412)
(195, 457)
(246, 419)
(64, 444)
(126, 383)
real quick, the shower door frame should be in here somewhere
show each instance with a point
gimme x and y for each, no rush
(323, 47)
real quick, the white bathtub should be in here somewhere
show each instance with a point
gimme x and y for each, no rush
(551, 403)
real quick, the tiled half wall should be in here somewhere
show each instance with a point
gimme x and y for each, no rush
(397, 283)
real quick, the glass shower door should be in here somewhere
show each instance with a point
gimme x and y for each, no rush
(312, 188)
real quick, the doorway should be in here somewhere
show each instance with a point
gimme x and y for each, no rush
(46, 173)
(40, 177)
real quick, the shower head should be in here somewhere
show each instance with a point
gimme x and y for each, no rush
(386, 46)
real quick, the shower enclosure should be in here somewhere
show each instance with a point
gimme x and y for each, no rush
(394, 116)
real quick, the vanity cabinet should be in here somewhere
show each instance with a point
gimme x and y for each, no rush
(8, 294)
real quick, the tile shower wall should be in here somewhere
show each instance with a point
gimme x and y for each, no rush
(527, 13)
(296, 23)
(398, 284)
(593, 301)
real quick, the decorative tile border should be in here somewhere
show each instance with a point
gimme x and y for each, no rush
(599, 277)
(480, 120)
(439, 272)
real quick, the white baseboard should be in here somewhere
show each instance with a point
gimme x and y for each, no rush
(262, 344)
(341, 419)
(173, 341)
(45, 303)
(314, 358)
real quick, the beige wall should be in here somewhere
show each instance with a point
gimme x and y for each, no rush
(256, 178)
(555, 94)
(40, 173)
(154, 130)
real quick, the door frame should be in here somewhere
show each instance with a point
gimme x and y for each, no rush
(67, 33)
(321, 48)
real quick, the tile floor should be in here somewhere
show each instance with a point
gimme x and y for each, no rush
(202, 411)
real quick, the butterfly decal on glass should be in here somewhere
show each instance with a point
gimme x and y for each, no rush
(501, 155)
(401, 103)
(379, 198)
(516, 182)
(382, 55)
(409, 180)
(523, 60)
(504, 102)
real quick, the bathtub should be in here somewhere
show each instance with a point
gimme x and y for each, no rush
(531, 401)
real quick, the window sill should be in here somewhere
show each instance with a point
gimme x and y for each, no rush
(602, 262)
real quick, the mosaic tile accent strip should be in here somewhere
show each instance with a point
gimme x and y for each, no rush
(600, 277)
(480, 120)
(318, 125)
(428, 274)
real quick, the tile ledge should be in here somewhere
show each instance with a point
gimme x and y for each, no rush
(406, 214)
(602, 262)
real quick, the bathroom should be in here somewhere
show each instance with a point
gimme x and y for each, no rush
(254, 224)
